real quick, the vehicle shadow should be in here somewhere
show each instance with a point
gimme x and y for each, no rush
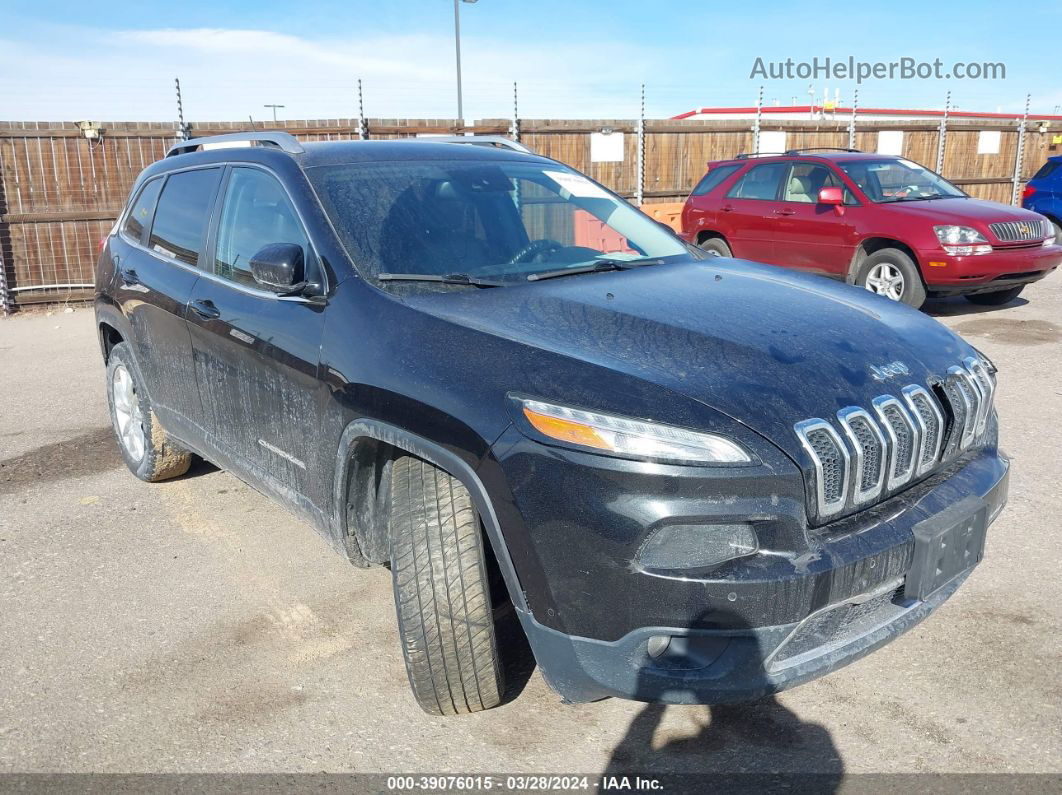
(760, 746)
(200, 466)
(956, 306)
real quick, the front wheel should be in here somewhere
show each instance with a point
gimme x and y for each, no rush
(893, 274)
(442, 592)
(997, 298)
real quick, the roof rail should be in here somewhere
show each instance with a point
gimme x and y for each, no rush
(281, 140)
(497, 141)
(748, 155)
(822, 149)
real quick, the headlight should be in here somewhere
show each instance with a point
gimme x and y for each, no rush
(961, 241)
(630, 438)
(988, 363)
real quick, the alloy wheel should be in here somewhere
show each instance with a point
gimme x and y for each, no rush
(885, 279)
(129, 418)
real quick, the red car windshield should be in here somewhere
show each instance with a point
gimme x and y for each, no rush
(895, 179)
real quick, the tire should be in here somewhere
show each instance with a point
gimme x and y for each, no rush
(442, 592)
(997, 298)
(715, 246)
(893, 274)
(149, 452)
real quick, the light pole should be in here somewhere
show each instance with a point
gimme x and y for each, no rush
(457, 46)
(274, 107)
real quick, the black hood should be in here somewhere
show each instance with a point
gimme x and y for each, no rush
(767, 347)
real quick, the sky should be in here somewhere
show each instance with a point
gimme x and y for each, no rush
(117, 60)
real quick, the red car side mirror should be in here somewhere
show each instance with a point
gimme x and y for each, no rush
(832, 195)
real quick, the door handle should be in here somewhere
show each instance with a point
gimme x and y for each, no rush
(785, 211)
(128, 276)
(205, 308)
(727, 208)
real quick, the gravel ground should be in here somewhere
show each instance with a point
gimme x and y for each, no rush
(195, 626)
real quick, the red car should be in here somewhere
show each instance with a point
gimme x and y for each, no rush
(877, 221)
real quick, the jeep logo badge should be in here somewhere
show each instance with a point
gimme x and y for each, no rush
(890, 370)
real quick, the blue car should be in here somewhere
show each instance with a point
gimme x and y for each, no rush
(1043, 194)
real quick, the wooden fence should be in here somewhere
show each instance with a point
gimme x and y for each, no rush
(60, 192)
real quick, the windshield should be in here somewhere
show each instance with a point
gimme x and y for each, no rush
(496, 221)
(896, 179)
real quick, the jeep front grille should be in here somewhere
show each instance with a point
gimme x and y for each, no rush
(880, 451)
(1020, 231)
(924, 411)
(830, 458)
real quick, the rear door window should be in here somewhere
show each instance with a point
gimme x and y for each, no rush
(713, 178)
(140, 213)
(181, 217)
(760, 182)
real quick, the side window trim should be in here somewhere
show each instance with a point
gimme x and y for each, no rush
(211, 229)
(209, 248)
(783, 186)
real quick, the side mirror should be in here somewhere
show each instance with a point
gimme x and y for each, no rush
(279, 267)
(831, 195)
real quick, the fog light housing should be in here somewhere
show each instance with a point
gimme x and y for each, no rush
(697, 546)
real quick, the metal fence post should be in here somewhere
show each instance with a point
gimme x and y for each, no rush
(5, 296)
(363, 127)
(756, 124)
(851, 121)
(514, 128)
(1019, 154)
(942, 134)
(182, 128)
(639, 192)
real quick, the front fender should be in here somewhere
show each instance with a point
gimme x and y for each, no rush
(439, 456)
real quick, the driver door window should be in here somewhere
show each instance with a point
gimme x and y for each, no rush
(807, 179)
(257, 213)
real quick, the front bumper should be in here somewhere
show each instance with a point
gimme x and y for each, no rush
(1004, 267)
(745, 634)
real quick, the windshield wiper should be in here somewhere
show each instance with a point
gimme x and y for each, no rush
(930, 197)
(449, 278)
(595, 267)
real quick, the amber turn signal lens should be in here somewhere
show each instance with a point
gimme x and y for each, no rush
(565, 430)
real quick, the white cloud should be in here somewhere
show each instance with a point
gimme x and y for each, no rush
(227, 74)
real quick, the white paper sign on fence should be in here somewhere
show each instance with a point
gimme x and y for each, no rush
(890, 142)
(606, 147)
(988, 142)
(772, 141)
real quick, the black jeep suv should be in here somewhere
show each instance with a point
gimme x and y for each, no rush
(679, 479)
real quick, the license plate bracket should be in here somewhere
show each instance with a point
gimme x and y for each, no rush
(946, 545)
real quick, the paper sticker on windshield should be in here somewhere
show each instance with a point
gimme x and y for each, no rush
(577, 185)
